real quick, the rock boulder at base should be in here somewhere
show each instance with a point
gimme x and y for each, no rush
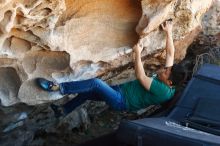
(9, 86)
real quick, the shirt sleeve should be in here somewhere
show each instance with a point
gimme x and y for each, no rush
(160, 89)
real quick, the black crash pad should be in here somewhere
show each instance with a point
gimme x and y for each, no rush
(167, 131)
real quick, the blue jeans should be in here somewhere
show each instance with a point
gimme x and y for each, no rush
(92, 89)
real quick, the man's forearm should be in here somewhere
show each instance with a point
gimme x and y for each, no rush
(139, 69)
(170, 50)
(169, 44)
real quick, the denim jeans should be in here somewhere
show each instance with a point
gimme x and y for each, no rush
(92, 89)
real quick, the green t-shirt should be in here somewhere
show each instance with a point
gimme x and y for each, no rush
(137, 97)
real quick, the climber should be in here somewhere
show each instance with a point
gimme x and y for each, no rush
(130, 96)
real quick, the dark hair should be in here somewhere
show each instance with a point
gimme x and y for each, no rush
(178, 74)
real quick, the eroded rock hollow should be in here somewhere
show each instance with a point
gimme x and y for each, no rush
(65, 40)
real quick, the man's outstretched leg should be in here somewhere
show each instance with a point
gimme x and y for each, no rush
(117, 102)
(62, 110)
(75, 86)
(91, 89)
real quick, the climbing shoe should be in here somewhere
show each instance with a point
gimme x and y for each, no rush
(58, 110)
(47, 85)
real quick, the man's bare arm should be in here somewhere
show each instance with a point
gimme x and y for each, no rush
(139, 69)
(170, 50)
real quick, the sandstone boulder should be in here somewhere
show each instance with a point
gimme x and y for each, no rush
(211, 20)
(65, 40)
(9, 86)
(29, 93)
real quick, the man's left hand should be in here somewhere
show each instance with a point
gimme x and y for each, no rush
(138, 48)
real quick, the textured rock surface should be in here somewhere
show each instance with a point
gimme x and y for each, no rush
(211, 21)
(67, 40)
(9, 86)
(41, 127)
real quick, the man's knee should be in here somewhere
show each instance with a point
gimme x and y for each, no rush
(97, 81)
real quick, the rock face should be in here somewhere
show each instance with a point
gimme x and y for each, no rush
(65, 40)
(211, 21)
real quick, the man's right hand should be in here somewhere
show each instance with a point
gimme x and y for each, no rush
(167, 26)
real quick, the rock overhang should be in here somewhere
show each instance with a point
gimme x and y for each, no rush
(75, 40)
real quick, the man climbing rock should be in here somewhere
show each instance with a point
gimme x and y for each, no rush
(130, 96)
